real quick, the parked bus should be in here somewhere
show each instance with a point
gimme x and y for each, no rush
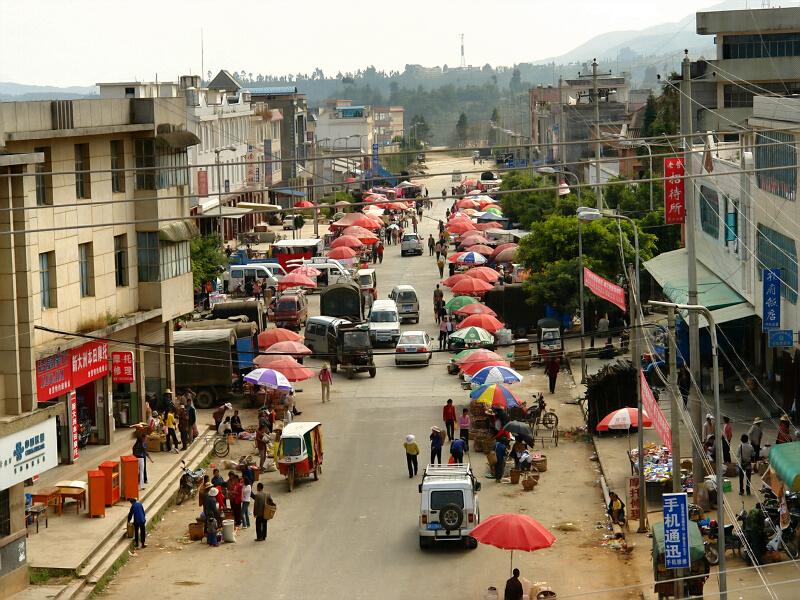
(287, 250)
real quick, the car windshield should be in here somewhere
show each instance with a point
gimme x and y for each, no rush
(407, 297)
(383, 316)
(410, 238)
(291, 446)
(441, 498)
(287, 305)
(365, 280)
(413, 338)
(356, 339)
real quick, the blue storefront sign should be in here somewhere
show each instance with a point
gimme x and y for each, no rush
(781, 338)
(676, 531)
(771, 280)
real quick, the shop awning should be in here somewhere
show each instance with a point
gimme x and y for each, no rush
(289, 192)
(784, 459)
(729, 313)
(178, 231)
(177, 140)
(671, 271)
(228, 212)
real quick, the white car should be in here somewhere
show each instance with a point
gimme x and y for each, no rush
(449, 509)
(411, 244)
(384, 322)
(413, 347)
(288, 222)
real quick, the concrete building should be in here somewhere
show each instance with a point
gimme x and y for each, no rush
(100, 247)
(342, 125)
(757, 53)
(388, 123)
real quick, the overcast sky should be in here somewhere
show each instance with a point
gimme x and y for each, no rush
(81, 42)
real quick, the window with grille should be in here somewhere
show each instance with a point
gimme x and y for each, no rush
(117, 162)
(86, 269)
(175, 259)
(121, 260)
(47, 279)
(778, 251)
(709, 211)
(774, 150)
(83, 178)
(770, 45)
(44, 181)
(145, 157)
(147, 255)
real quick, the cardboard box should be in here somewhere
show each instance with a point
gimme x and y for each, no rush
(154, 443)
(196, 531)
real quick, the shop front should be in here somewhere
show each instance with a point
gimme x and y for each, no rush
(123, 379)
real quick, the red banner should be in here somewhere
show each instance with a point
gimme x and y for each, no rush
(122, 370)
(89, 362)
(73, 412)
(633, 498)
(53, 376)
(674, 190)
(655, 413)
(603, 288)
(202, 184)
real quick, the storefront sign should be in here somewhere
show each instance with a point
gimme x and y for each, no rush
(674, 191)
(53, 376)
(122, 370)
(780, 338)
(28, 452)
(73, 415)
(89, 362)
(676, 531)
(251, 167)
(604, 288)
(655, 413)
(633, 498)
(202, 184)
(771, 281)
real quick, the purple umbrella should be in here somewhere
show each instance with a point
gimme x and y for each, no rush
(269, 378)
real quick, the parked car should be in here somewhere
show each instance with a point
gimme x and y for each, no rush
(241, 275)
(413, 347)
(288, 222)
(449, 508)
(368, 281)
(384, 322)
(411, 244)
(320, 336)
(405, 296)
(291, 310)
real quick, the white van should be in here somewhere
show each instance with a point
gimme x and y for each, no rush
(384, 322)
(332, 271)
(405, 296)
(242, 274)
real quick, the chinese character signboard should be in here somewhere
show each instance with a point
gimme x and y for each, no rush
(771, 280)
(674, 188)
(53, 376)
(676, 531)
(122, 370)
(28, 452)
(73, 415)
(655, 413)
(202, 184)
(604, 288)
(780, 338)
(633, 498)
(89, 362)
(251, 168)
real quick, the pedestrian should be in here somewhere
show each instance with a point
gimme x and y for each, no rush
(212, 516)
(449, 418)
(247, 492)
(414, 222)
(325, 381)
(442, 333)
(602, 329)
(216, 479)
(380, 251)
(444, 195)
(234, 488)
(262, 435)
(745, 459)
(183, 426)
(140, 452)
(551, 368)
(500, 455)
(616, 509)
(219, 414)
(727, 438)
(436, 444)
(260, 500)
(449, 327)
(457, 449)
(464, 424)
(136, 514)
(440, 265)
(437, 250)
(755, 433)
(412, 453)
(441, 227)
(514, 589)
(684, 383)
(708, 427)
(784, 430)
(236, 423)
(438, 295)
(431, 244)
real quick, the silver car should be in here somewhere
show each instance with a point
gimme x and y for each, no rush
(411, 244)
(413, 347)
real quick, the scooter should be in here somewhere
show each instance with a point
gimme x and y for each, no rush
(84, 433)
(189, 483)
(732, 539)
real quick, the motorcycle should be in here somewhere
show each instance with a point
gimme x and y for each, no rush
(733, 540)
(538, 413)
(190, 482)
(84, 433)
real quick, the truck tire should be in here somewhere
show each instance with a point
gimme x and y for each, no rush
(451, 516)
(424, 542)
(350, 373)
(206, 398)
(372, 372)
(334, 366)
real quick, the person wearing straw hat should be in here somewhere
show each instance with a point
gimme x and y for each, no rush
(436, 444)
(708, 427)
(412, 452)
(213, 519)
(755, 434)
(784, 430)
(325, 381)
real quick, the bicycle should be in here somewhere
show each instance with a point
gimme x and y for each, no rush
(220, 445)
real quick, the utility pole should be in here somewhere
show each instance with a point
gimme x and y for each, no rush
(636, 361)
(675, 421)
(596, 98)
(695, 407)
(562, 134)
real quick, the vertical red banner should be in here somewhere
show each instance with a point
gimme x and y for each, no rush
(674, 190)
(73, 411)
(202, 184)
(653, 410)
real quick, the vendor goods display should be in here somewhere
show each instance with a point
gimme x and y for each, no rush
(657, 463)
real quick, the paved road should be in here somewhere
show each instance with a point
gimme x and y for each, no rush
(353, 533)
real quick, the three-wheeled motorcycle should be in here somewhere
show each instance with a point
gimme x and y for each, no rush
(299, 451)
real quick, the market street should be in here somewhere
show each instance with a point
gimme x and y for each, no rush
(353, 533)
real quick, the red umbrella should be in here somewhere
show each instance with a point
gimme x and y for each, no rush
(472, 368)
(467, 203)
(348, 241)
(479, 359)
(291, 348)
(295, 279)
(471, 240)
(483, 203)
(623, 418)
(304, 204)
(270, 337)
(475, 309)
(342, 252)
(481, 249)
(308, 271)
(471, 287)
(454, 257)
(460, 226)
(488, 227)
(513, 531)
(363, 234)
(355, 219)
(286, 365)
(469, 182)
(500, 247)
(454, 279)
(459, 216)
(506, 256)
(488, 322)
(479, 355)
(486, 273)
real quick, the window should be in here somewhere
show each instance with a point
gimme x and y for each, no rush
(83, 178)
(777, 149)
(5, 513)
(158, 169)
(741, 94)
(772, 45)
(175, 259)
(47, 279)
(440, 499)
(709, 211)
(44, 181)
(130, 92)
(145, 156)
(117, 162)
(86, 269)
(121, 260)
(147, 255)
(778, 251)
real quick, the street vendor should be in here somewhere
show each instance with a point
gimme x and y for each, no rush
(784, 430)
(616, 509)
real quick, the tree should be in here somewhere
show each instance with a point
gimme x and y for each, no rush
(462, 127)
(650, 115)
(421, 130)
(207, 258)
(495, 118)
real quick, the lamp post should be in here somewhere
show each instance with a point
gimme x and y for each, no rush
(718, 464)
(626, 143)
(590, 214)
(551, 170)
(218, 167)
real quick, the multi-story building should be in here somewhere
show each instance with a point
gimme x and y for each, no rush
(342, 125)
(388, 123)
(758, 53)
(94, 241)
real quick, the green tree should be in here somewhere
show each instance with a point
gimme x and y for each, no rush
(421, 131)
(207, 257)
(495, 115)
(650, 115)
(462, 128)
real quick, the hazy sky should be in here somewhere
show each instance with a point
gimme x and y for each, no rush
(81, 42)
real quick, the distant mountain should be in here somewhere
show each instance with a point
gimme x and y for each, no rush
(20, 91)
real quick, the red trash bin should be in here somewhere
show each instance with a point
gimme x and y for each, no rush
(97, 493)
(110, 469)
(130, 476)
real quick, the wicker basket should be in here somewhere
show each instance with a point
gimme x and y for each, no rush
(540, 464)
(515, 473)
(196, 531)
(269, 511)
(528, 483)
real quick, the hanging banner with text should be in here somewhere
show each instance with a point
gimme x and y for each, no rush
(674, 191)
(771, 280)
(603, 288)
(655, 413)
(122, 370)
(676, 531)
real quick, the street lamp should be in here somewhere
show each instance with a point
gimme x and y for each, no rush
(592, 214)
(626, 143)
(217, 151)
(552, 171)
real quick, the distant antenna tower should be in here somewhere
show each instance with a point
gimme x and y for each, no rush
(463, 60)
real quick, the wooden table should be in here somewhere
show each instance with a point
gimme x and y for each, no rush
(72, 490)
(47, 496)
(36, 511)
